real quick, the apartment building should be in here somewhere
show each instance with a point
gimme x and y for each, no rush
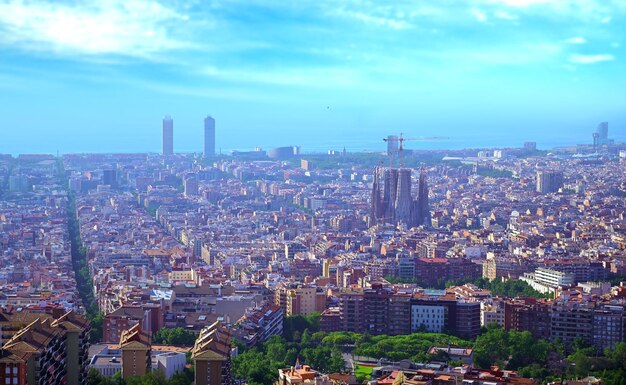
(352, 311)
(300, 299)
(528, 314)
(211, 355)
(47, 351)
(136, 347)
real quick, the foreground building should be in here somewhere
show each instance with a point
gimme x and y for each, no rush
(136, 352)
(47, 351)
(211, 355)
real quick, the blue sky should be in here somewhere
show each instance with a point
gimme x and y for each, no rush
(99, 75)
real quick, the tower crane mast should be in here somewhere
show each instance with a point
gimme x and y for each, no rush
(401, 139)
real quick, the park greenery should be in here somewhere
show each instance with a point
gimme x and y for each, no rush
(295, 325)
(512, 350)
(548, 361)
(174, 336)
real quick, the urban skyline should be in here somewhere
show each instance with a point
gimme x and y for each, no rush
(497, 68)
(168, 135)
(313, 192)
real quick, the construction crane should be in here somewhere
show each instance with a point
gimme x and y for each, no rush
(401, 140)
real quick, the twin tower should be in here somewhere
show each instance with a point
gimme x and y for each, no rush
(209, 136)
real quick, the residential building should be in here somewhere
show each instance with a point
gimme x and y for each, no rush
(212, 355)
(135, 345)
(54, 351)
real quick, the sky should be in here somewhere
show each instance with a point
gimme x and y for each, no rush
(99, 75)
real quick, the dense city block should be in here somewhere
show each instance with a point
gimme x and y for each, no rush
(477, 266)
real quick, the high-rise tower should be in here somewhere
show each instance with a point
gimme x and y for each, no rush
(168, 136)
(209, 137)
(603, 133)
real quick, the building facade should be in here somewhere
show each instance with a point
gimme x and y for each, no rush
(209, 137)
(168, 136)
(211, 355)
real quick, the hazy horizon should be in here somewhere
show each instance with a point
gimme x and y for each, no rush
(98, 76)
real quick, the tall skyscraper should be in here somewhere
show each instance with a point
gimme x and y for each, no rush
(209, 136)
(603, 133)
(168, 136)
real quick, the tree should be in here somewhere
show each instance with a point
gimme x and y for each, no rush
(306, 339)
(95, 378)
(491, 347)
(174, 336)
(294, 325)
(617, 356)
(96, 326)
(337, 363)
(580, 364)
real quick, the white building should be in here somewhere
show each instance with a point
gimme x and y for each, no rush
(109, 361)
(169, 363)
(433, 317)
(554, 278)
(546, 280)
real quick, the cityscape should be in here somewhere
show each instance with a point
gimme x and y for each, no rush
(313, 192)
(195, 268)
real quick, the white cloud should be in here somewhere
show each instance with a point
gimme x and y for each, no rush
(520, 3)
(287, 77)
(374, 16)
(479, 15)
(505, 15)
(576, 40)
(590, 59)
(136, 28)
(382, 21)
